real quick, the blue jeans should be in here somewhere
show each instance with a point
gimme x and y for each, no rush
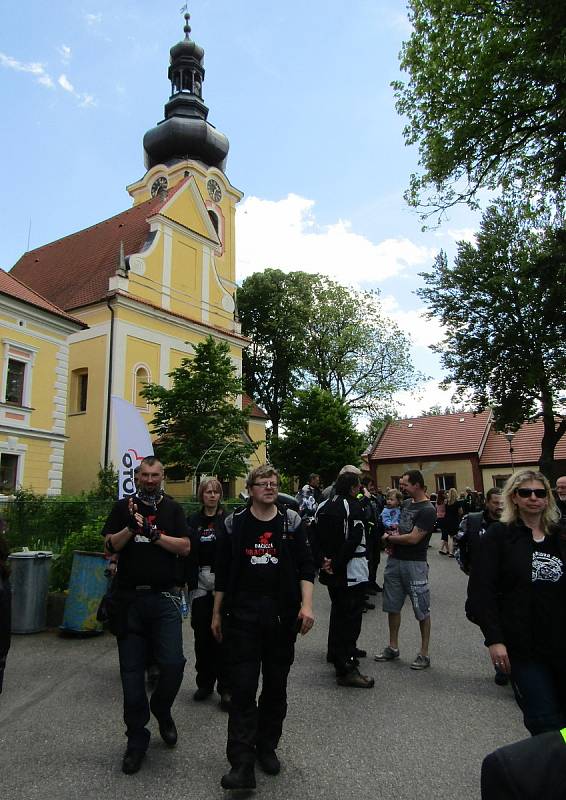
(153, 620)
(540, 691)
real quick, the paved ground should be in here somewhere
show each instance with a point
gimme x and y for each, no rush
(417, 735)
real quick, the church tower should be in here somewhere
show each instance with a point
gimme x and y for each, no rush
(152, 281)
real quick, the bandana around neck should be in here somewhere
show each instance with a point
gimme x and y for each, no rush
(150, 498)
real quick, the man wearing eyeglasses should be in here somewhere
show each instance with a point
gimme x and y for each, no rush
(263, 599)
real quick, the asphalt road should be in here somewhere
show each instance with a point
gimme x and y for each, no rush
(415, 736)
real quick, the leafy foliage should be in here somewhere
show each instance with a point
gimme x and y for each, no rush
(200, 428)
(310, 331)
(486, 97)
(503, 307)
(43, 523)
(273, 306)
(319, 436)
(106, 483)
(354, 351)
(87, 538)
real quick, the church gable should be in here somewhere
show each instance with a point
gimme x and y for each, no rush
(187, 208)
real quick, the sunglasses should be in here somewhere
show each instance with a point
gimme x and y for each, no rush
(540, 493)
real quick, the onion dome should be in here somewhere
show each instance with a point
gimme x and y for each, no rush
(185, 131)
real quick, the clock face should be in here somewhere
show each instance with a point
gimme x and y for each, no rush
(158, 185)
(214, 190)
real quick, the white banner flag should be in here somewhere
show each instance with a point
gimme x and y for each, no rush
(131, 443)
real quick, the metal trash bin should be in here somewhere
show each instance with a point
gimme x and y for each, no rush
(30, 586)
(87, 585)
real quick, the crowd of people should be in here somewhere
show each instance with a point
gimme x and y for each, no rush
(250, 574)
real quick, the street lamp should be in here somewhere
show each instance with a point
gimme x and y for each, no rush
(509, 435)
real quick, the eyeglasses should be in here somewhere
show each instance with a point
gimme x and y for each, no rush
(268, 485)
(540, 493)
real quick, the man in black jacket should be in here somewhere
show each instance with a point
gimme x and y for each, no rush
(263, 598)
(149, 531)
(472, 528)
(467, 543)
(344, 570)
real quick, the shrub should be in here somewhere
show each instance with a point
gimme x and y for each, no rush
(89, 539)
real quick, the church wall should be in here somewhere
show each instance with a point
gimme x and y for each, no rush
(86, 429)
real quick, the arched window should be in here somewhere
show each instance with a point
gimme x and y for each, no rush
(141, 379)
(214, 219)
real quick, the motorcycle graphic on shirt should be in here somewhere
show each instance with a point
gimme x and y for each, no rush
(546, 568)
(264, 551)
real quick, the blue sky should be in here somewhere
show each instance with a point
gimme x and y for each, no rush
(302, 90)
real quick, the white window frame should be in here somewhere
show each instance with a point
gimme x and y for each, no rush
(16, 351)
(137, 367)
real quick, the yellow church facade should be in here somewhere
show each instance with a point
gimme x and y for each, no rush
(150, 282)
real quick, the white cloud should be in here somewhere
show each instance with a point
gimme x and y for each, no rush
(85, 100)
(422, 331)
(65, 53)
(66, 84)
(33, 67)
(284, 234)
(462, 235)
(429, 393)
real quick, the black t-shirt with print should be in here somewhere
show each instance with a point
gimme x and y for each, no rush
(548, 599)
(141, 562)
(260, 558)
(204, 529)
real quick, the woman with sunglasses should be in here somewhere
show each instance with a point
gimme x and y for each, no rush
(519, 594)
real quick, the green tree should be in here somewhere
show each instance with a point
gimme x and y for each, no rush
(354, 351)
(503, 306)
(319, 436)
(272, 306)
(106, 487)
(307, 330)
(199, 427)
(485, 98)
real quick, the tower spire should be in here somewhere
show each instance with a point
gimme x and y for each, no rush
(185, 132)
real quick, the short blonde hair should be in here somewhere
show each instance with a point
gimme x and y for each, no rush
(264, 471)
(205, 483)
(550, 514)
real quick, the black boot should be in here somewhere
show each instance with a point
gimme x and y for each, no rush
(242, 777)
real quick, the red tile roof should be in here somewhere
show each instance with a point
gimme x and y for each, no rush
(256, 411)
(74, 271)
(426, 437)
(526, 446)
(12, 287)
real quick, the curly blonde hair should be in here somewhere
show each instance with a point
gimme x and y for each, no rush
(550, 514)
